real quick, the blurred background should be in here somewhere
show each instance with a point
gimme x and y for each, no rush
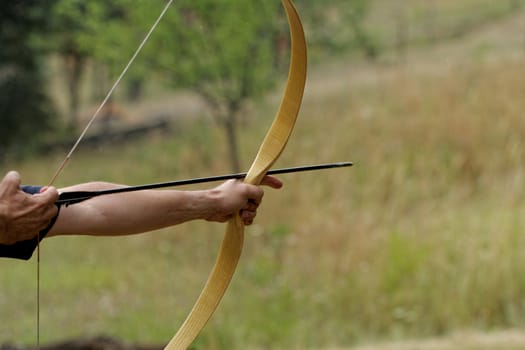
(422, 239)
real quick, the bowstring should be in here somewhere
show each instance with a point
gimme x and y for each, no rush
(81, 136)
(38, 292)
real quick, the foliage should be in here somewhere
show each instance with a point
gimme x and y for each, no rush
(25, 112)
(192, 48)
(225, 57)
(80, 29)
(24, 107)
(340, 25)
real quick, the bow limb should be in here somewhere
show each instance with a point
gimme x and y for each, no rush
(269, 151)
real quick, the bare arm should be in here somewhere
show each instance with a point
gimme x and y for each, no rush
(142, 211)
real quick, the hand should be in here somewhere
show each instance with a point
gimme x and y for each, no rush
(234, 197)
(22, 215)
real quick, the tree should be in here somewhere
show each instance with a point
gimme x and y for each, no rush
(25, 110)
(221, 49)
(228, 51)
(81, 33)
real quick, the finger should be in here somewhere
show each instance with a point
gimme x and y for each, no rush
(248, 215)
(12, 180)
(251, 205)
(254, 194)
(271, 181)
(247, 219)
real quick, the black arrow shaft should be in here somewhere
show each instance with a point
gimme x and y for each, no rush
(68, 198)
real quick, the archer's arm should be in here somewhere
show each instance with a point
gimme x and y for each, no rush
(142, 211)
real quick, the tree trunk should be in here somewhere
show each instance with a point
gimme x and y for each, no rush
(75, 65)
(362, 38)
(226, 117)
(230, 126)
(401, 41)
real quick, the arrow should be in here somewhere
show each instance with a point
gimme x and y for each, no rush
(68, 198)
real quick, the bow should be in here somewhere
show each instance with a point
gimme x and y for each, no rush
(269, 151)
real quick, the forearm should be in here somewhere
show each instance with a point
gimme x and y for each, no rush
(142, 211)
(132, 212)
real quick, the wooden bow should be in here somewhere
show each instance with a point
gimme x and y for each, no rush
(269, 151)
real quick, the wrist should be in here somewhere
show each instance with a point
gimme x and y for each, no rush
(211, 203)
(202, 204)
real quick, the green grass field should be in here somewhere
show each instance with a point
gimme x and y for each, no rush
(423, 237)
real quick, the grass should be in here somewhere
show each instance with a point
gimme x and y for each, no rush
(422, 238)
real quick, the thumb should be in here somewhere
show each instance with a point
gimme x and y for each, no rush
(48, 194)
